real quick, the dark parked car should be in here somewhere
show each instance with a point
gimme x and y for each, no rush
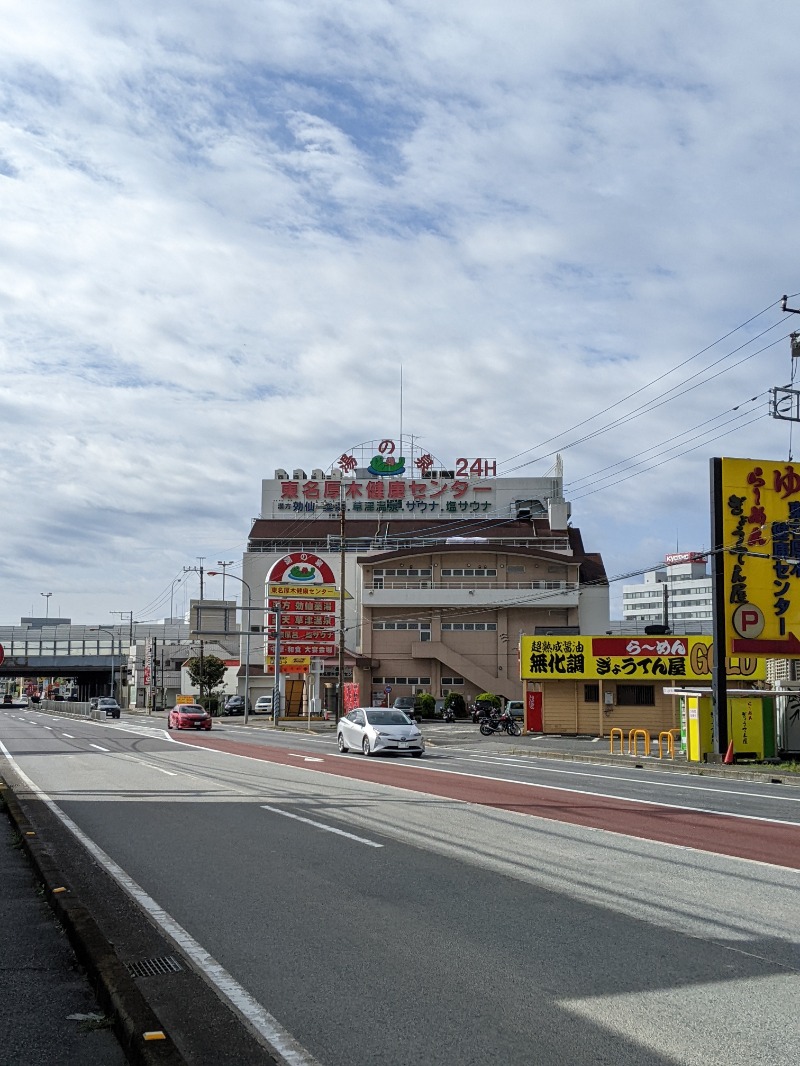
(234, 705)
(8, 699)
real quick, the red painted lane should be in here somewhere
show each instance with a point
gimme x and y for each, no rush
(745, 838)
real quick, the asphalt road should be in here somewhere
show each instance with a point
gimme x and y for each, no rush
(465, 908)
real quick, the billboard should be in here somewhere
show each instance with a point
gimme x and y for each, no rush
(667, 659)
(760, 556)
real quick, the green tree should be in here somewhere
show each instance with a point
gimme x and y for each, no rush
(206, 673)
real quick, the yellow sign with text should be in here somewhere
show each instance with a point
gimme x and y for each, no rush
(761, 556)
(668, 659)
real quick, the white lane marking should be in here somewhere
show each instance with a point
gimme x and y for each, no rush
(280, 1040)
(99, 748)
(50, 728)
(305, 758)
(741, 793)
(320, 825)
(161, 770)
(69, 736)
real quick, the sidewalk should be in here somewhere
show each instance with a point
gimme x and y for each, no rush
(48, 1012)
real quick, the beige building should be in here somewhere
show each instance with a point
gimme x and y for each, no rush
(445, 566)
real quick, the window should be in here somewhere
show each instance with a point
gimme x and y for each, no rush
(469, 573)
(591, 693)
(452, 681)
(474, 627)
(403, 625)
(636, 696)
(402, 573)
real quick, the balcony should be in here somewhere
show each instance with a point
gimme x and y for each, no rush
(395, 592)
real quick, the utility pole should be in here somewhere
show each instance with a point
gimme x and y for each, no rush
(199, 570)
(340, 699)
(129, 615)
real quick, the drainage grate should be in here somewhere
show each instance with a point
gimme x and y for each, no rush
(152, 967)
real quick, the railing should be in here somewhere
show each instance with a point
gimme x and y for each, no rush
(371, 544)
(476, 585)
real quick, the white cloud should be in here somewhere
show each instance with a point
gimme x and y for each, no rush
(222, 226)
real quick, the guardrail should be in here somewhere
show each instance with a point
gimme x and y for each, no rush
(67, 708)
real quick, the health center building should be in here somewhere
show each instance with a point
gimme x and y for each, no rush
(445, 565)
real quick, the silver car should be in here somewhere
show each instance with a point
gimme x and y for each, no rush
(378, 729)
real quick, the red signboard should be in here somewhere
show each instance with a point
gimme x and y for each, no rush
(661, 645)
(316, 606)
(533, 712)
(2, 654)
(313, 636)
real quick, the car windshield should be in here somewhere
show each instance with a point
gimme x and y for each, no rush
(392, 717)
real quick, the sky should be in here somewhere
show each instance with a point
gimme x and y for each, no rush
(228, 230)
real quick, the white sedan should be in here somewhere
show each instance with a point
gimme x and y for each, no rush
(379, 729)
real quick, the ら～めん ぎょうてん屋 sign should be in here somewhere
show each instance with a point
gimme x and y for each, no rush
(661, 658)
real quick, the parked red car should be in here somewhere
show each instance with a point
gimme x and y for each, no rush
(188, 716)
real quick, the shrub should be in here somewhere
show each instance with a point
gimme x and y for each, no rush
(490, 698)
(425, 704)
(455, 701)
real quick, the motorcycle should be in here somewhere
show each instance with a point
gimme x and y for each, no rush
(499, 723)
(448, 715)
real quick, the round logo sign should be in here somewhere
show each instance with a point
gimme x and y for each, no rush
(748, 621)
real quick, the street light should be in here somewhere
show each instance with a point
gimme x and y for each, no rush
(102, 629)
(224, 567)
(215, 573)
(47, 596)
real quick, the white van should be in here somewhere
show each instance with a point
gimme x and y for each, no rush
(263, 705)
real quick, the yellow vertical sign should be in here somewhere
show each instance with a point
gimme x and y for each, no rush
(761, 556)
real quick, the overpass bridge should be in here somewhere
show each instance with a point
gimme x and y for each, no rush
(86, 653)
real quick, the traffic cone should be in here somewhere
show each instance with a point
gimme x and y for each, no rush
(729, 754)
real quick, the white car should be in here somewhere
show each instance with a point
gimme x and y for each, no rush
(379, 729)
(263, 705)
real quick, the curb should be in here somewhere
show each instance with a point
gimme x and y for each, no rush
(116, 991)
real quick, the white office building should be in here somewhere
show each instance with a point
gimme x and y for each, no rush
(677, 595)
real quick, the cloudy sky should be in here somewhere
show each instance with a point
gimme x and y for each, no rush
(225, 227)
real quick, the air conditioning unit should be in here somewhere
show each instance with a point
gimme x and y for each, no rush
(317, 474)
(281, 475)
(299, 475)
(335, 475)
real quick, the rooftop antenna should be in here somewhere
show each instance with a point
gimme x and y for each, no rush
(401, 409)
